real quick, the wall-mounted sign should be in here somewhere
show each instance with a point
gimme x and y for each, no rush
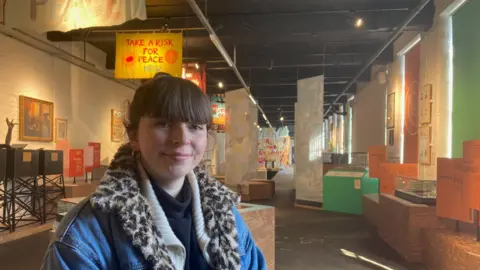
(141, 56)
(76, 163)
(219, 113)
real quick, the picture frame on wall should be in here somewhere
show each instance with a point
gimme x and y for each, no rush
(424, 147)
(391, 110)
(426, 104)
(117, 128)
(61, 128)
(35, 120)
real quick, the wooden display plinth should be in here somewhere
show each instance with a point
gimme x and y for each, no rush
(261, 222)
(400, 225)
(257, 189)
(371, 209)
(447, 250)
(80, 190)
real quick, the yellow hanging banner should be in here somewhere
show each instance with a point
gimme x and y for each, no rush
(141, 56)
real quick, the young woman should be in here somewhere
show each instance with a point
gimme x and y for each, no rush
(154, 209)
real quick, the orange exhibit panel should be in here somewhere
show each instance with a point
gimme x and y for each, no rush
(376, 156)
(390, 171)
(471, 170)
(451, 202)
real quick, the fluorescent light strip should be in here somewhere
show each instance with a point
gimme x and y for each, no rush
(252, 99)
(350, 132)
(410, 45)
(450, 88)
(454, 7)
(402, 111)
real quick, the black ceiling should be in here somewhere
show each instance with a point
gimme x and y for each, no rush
(276, 41)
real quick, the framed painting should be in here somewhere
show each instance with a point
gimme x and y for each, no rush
(117, 128)
(36, 120)
(424, 148)
(426, 104)
(391, 110)
(61, 127)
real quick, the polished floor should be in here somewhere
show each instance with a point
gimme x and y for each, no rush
(305, 239)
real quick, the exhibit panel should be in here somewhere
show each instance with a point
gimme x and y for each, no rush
(241, 138)
(411, 97)
(466, 67)
(308, 142)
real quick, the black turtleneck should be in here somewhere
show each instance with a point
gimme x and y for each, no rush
(179, 214)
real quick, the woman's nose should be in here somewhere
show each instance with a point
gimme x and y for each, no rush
(179, 135)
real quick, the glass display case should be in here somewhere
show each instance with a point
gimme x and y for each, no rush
(416, 191)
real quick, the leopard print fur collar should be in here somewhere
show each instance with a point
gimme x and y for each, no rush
(119, 193)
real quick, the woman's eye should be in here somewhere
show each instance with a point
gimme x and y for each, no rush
(161, 125)
(196, 127)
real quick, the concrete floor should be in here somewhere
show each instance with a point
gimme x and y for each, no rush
(310, 239)
(306, 239)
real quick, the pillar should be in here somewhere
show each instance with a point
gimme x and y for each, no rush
(308, 142)
(241, 138)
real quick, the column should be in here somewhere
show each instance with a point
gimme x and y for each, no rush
(241, 138)
(308, 142)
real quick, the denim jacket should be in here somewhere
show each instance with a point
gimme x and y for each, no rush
(122, 226)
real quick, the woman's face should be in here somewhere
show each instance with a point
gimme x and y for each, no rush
(170, 150)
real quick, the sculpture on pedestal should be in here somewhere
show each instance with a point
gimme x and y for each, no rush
(10, 125)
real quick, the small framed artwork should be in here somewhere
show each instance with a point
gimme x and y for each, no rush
(391, 110)
(426, 104)
(117, 128)
(424, 148)
(36, 120)
(391, 137)
(61, 127)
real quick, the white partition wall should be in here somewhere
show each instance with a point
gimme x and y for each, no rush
(308, 142)
(241, 138)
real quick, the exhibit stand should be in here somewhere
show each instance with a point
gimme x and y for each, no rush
(344, 187)
(31, 183)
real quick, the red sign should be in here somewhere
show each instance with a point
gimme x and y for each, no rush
(97, 147)
(75, 168)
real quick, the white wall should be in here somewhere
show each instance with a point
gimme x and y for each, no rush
(83, 98)
(368, 125)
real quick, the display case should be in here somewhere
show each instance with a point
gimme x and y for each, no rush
(416, 191)
(359, 159)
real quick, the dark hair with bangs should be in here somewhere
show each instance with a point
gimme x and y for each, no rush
(172, 99)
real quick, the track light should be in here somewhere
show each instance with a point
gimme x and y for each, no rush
(220, 85)
(281, 118)
(359, 22)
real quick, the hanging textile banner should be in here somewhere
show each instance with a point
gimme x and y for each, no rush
(219, 113)
(196, 73)
(141, 56)
(67, 15)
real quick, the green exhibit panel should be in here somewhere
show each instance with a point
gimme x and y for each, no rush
(466, 79)
(343, 190)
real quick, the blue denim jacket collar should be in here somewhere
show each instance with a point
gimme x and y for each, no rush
(119, 193)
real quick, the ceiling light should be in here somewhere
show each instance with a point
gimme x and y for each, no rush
(197, 66)
(188, 75)
(281, 118)
(220, 84)
(359, 22)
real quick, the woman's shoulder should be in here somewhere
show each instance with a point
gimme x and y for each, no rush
(80, 222)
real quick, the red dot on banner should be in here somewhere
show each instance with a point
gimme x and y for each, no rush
(129, 59)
